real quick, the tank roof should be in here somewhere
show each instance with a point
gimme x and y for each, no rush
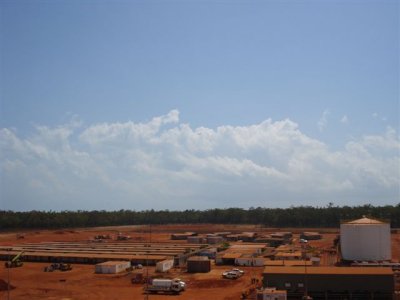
(364, 220)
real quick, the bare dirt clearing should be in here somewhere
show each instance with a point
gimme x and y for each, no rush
(81, 282)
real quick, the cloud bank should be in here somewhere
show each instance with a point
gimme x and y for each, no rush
(166, 164)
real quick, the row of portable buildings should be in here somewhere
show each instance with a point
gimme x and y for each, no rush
(273, 239)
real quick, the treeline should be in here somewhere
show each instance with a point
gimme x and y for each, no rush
(302, 216)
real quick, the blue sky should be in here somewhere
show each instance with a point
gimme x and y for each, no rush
(198, 104)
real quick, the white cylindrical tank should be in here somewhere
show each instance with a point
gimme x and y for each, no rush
(365, 239)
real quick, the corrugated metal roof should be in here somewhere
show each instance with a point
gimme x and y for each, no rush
(289, 263)
(310, 233)
(88, 256)
(365, 220)
(232, 255)
(113, 263)
(329, 270)
(270, 291)
(288, 254)
(198, 258)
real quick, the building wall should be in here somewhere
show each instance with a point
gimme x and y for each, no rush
(250, 261)
(199, 266)
(271, 296)
(112, 268)
(317, 283)
(365, 242)
(164, 265)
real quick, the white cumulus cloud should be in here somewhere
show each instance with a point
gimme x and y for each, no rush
(166, 164)
(323, 121)
(344, 120)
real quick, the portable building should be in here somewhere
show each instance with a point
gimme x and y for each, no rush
(227, 258)
(296, 255)
(315, 260)
(332, 282)
(271, 294)
(182, 236)
(286, 236)
(252, 248)
(223, 233)
(164, 265)
(308, 235)
(274, 242)
(196, 239)
(198, 264)
(248, 260)
(232, 237)
(262, 239)
(112, 267)
(210, 253)
(215, 239)
(248, 236)
(289, 263)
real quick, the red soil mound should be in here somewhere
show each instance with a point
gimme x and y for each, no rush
(4, 285)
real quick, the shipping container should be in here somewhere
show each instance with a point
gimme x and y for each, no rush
(164, 265)
(112, 267)
(198, 264)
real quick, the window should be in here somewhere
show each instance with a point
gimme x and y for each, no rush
(287, 284)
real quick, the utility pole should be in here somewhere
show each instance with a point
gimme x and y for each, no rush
(8, 274)
(146, 297)
(305, 297)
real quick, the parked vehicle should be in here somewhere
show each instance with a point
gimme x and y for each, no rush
(230, 275)
(15, 262)
(173, 286)
(122, 237)
(58, 266)
(233, 274)
(240, 272)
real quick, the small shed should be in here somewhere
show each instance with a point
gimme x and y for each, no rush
(286, 236)
(271, 294)
(224, 234)
(210, 253)
(274, 242)
(164, 265)
(182, 236)
(198, 264)
(249, 260)
(196, 239)
(232, 237)
(214, 239)
(112, 267)
(248, 236)
(295, 255)
(227, 258)
(308, 235)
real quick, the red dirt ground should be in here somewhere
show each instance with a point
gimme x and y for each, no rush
(81, 282)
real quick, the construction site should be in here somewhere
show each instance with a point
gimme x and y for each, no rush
(202, 261)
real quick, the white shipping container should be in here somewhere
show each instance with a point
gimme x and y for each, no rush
(164, 265)
(112, 267)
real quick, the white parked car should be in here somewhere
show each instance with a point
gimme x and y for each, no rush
(240, 272)
(230, 275)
